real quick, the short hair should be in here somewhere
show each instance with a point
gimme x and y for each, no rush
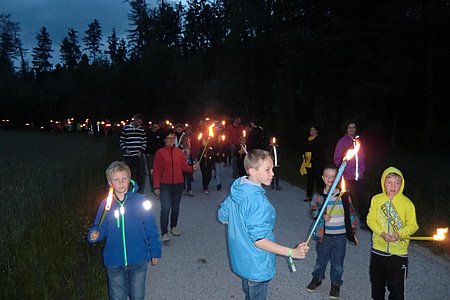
(393, 174)
(330, 167)
(255, 157)
(138, 116)
(117, 166)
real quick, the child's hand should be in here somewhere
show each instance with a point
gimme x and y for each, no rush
(94, 235)
(196, 166)
(356, 240)
(154, 261)
(157, 192)
(300, 251)
(389, 237)
(326, 217)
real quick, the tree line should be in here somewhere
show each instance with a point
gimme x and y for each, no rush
(289, 63)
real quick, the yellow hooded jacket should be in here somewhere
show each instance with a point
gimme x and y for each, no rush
(396, 215)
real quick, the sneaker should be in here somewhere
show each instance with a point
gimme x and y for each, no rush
(205, 191)
(184, 193)
(334, 291)
(190, 194)
(314, 284)
(175, 231)
(219, 186)
(165, 237)
(307, 199)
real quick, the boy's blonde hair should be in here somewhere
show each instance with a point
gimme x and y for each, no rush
(117, 166)
(255, 157)
(393, 174)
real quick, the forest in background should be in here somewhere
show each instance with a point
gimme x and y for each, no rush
(288, 62)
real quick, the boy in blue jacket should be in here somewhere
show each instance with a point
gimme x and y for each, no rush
(127, 223)
(251, 218)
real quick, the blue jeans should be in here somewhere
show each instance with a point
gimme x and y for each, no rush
(255, 290)
(332, 248)
(170, 197)
(124, 281)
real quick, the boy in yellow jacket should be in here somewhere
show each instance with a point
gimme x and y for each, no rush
(392, 218)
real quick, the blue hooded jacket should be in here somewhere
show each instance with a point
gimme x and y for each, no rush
(250, 217)
(131, 237)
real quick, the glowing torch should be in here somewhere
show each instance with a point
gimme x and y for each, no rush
(439, 236)
(349, 155)
(108, 204)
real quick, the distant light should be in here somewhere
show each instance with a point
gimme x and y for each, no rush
(27, 124)
(42, 127)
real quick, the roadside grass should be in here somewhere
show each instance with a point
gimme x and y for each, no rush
(51, 189)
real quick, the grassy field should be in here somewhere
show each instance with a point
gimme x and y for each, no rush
(53, 183)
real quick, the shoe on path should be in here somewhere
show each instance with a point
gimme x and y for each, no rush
(314, 284)
(175, 231)
(165, 237)
(307, 199)
(190, 194)
(205, 191)
(335, 291)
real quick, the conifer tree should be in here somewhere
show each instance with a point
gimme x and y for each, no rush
(42, 52)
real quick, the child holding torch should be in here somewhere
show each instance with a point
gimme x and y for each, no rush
(337, 225)
(125, 220)
(251, 218)
(392, 218)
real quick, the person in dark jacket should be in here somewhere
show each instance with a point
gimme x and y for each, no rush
(155, 141)
(255, 139)
(313, 162)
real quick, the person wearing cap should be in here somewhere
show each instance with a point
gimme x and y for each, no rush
(133, 143)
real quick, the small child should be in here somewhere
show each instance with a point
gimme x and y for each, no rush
(131, 234)
(251, 218)
(337, 225)
(392, 218)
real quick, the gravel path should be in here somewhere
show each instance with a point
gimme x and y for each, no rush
(195, 265)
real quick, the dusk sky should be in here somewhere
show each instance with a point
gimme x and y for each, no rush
(60, 15)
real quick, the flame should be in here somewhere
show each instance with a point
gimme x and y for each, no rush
(274, 140)
(343, 184)
(352, 152)
(244, 133)
(109, 198)
(223, 123)
(223, 137)
(210, 131)
(200, 136)
(440, 236)
(167, 122)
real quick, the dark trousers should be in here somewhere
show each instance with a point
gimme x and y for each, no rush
(150, 158)
(188, 181)
(390, 271)
(206, 174)
(170, 197)
(314, 176)
(276, 178)
(136, 165)
(359, 199)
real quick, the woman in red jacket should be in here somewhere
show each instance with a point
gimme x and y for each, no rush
(168, 167)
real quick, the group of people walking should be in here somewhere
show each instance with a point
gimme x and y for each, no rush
(173, 155)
